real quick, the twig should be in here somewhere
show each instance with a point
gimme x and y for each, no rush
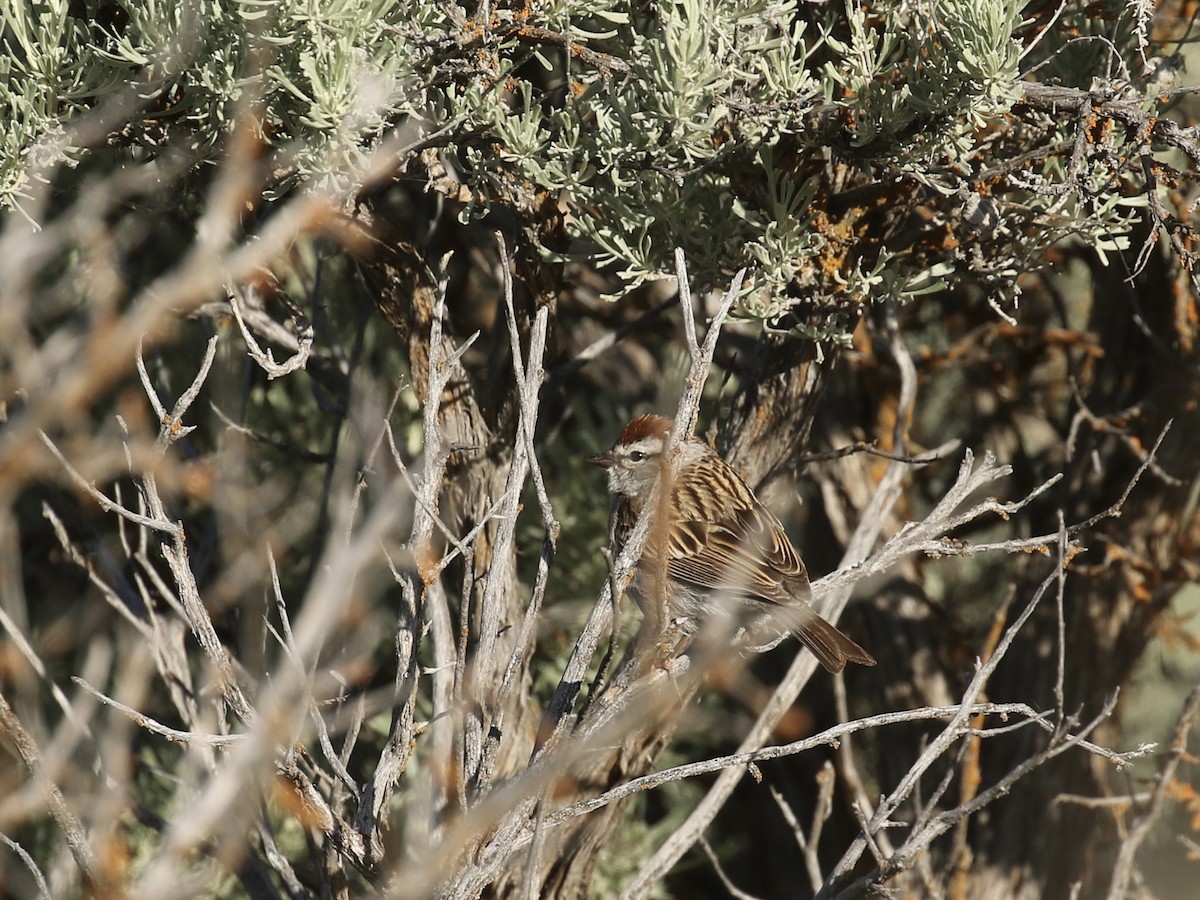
(1104, 425)
(685, 301)
(1120, 803)
(734, 890)
(609, 340)
(68, 823)
(970, 775)
(533, 863)
(292, 452)
(38, 877)
(175, 551)
(371, 815)
(276, 860)
(1061, 667)
(459, 546)
(304, 339)
(18, 638)
(928, 827)
(513, 820)
(830, 736)
(279, 705)
(219, 741)
(937, 454)
(614, 633)
(834, 594)
(293, 653)
(924, 835)
(173, 428)
(103, 500)
(600, 618)
(863, 805)
(826, 782)
(938, 746)
(1114, 511)
(1124, 867)
(529, 378)
(1041, 34)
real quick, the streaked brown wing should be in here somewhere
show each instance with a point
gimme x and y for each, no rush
(741, 547)
(746, 553)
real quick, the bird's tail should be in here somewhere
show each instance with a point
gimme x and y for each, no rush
(831, 648)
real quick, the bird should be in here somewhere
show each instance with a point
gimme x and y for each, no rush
(720, 540)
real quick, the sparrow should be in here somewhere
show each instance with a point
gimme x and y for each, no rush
(719, 540)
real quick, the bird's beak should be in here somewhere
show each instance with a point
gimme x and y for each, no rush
(603, 460)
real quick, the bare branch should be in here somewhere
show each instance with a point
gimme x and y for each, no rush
(23, 855)
(529, 381)
(733, 890)
(601, 615)
(924, 833)
(1124, 867)
(304, 339)
(937, 454)
(607, 341)
(172, 734)
(371, 817)
(102, 499)
(685, 300)
(68, 823)
(831, 737)
(1114, 511)
(524, 463)
(830, 597)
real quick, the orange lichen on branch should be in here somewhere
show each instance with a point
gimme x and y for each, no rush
(291, 796)
(1187, 796)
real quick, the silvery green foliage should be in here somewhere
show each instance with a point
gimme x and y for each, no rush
(955, 71)
(722, 126)
(328, 76)
(681, 149)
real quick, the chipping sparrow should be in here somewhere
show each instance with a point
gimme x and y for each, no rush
(719, 538)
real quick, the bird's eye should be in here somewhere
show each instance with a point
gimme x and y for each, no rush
(636, 456)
